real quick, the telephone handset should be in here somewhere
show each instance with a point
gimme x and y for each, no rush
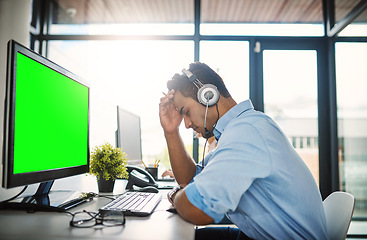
(139, 177)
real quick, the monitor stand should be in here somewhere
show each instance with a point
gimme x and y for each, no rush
(46, 200)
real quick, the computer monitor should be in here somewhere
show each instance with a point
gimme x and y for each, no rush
(128, 136)
(46, 127)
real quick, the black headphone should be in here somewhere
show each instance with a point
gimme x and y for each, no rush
(208, 94)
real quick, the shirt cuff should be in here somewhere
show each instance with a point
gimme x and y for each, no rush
(196, 199)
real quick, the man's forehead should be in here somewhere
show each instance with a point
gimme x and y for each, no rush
(178, 100)
(177, 97)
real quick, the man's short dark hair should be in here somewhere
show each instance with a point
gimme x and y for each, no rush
(204, 73)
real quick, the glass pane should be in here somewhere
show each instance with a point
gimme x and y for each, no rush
(123, 29)
(231, 61)
(258, 29)
(122, 17)
(351, 75)
(131, 74)
(250, 11)
(343, 8)
(248, 17)
(358, 28)
(290, 98)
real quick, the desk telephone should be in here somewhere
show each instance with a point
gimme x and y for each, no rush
(141, 178)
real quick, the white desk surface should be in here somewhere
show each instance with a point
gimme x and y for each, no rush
(17, 224)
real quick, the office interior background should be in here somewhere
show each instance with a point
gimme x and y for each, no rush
(303, 62)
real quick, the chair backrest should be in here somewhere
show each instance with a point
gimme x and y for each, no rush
(339, 207)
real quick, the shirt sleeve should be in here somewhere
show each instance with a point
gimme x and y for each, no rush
(196, 199)
(240, 158)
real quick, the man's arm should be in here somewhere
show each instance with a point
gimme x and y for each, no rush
(183, 166)
(188, 211)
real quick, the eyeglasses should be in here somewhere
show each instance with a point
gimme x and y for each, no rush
(90, 219)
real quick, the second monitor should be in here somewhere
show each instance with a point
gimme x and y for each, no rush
(128, 135)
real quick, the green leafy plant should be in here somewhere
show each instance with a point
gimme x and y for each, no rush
(108, 162)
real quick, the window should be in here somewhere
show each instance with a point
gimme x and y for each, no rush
(253, 18)
(357, 28)
(231, 61)
(131, 74)
(138, 17)
(290, 98)
(225, 28)
(351, 75)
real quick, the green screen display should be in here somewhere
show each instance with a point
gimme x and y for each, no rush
(51, 119)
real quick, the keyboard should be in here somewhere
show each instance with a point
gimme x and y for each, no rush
(134, 203)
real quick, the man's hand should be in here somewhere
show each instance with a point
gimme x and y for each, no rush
(169, 117)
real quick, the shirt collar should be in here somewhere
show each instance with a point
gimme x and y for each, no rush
(234, 112)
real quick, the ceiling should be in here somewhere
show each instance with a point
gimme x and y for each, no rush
(182, 11)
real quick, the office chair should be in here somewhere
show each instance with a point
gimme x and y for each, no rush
(338, 207)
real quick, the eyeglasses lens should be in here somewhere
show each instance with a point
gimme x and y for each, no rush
(113, 219)
(84, 219)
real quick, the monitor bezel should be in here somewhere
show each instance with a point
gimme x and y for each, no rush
(11, 180)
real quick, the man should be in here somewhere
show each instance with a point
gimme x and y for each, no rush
(254, 176)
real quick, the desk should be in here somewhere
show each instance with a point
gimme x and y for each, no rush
(161, 224)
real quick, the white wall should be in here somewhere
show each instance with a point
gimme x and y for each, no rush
(15, 17)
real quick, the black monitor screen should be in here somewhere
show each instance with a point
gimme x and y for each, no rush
(46, 126)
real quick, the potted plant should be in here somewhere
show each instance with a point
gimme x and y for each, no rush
(108, 163)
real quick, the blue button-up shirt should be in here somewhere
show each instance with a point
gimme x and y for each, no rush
(256, 178)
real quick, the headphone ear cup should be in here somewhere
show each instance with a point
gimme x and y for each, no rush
(208, 95)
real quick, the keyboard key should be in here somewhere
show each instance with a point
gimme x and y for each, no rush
(134, 203)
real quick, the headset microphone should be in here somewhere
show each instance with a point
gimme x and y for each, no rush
(207, 133)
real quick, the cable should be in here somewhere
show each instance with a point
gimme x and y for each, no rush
(206, 131)
(206, 113)
(204, 154)
(208, 138)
